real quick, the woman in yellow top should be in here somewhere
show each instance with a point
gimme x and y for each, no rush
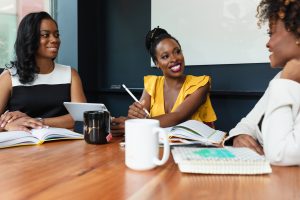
(174, 97)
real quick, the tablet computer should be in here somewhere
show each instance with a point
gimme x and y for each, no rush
(76, 110)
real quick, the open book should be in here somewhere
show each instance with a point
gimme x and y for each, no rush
(36, 136)
(228, 160)
(193, 132)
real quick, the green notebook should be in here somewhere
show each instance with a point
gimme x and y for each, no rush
(228, 160)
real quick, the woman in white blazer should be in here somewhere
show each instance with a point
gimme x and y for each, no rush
(273, 126)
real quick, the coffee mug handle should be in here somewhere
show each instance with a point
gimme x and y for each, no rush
(166, 153)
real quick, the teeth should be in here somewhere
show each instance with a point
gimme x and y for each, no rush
(175, 68)
(52, 49)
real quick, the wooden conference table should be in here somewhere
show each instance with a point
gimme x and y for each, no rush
(76, 170)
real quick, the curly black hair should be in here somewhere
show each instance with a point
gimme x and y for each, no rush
(26, 46)
(153, 37)
(286, 10)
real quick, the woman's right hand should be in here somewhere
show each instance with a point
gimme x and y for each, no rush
(8, 117)
(245, 140)
(23, 124)
(136, 111)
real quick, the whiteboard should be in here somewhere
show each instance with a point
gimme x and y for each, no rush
(213, 31)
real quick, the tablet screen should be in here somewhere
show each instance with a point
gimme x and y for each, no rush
(76, 110)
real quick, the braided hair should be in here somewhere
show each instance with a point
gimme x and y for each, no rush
(153, 37)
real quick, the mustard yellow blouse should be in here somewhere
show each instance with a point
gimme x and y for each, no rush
(154, 85)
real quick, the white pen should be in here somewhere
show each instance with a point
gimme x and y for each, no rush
(134, 98)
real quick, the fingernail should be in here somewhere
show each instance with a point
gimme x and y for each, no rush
(2, 125)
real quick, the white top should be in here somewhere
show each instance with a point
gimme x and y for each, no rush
(280, 133)
(61, 74)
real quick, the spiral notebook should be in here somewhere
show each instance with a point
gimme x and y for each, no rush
(228, 160)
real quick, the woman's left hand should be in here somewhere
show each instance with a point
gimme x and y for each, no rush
(292, 70)
(8, 117)
(23, 124)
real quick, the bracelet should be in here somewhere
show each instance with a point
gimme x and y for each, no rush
(40, 119)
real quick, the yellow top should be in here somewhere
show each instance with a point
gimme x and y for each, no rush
(154, 86)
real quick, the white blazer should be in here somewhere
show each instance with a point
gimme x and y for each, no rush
(280, 131)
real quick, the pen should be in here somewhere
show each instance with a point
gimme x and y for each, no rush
(134, 98)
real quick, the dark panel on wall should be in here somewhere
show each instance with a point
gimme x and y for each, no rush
(127, 22)
(91, 36)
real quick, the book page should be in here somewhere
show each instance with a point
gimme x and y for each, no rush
(195, 130)
(55, 133)
(15, 138)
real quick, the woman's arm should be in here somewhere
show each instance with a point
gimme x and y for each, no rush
(281, 125)
(77, 95)
(15, 120)
(247, 133)
(5, 88)
(184, 111)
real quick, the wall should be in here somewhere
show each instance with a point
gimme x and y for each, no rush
(111, 52)
(65, 12)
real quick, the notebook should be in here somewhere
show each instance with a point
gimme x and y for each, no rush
(227, 160)
(36, 136)
(194, 132)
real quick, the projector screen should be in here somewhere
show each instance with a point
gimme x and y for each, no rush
(213, 31)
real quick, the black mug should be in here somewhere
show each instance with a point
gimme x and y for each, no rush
(96, 127)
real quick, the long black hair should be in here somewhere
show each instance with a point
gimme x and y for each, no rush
(153, 37)
(26, 46)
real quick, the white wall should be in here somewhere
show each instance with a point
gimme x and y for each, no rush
(213, 31)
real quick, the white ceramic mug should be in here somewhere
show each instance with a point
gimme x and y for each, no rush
(142, 144)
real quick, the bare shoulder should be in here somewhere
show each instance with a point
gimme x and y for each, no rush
(5, 80)
(204, 88)
(74, 72)
(5, 76)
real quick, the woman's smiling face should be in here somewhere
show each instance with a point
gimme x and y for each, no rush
(49, 39)
(282, 45)
(169, 58)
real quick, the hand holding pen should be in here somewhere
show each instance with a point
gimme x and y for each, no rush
(136, 110)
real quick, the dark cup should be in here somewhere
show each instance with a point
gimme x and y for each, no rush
(96, 126)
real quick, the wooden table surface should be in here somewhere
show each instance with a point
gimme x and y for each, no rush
(76, 170)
